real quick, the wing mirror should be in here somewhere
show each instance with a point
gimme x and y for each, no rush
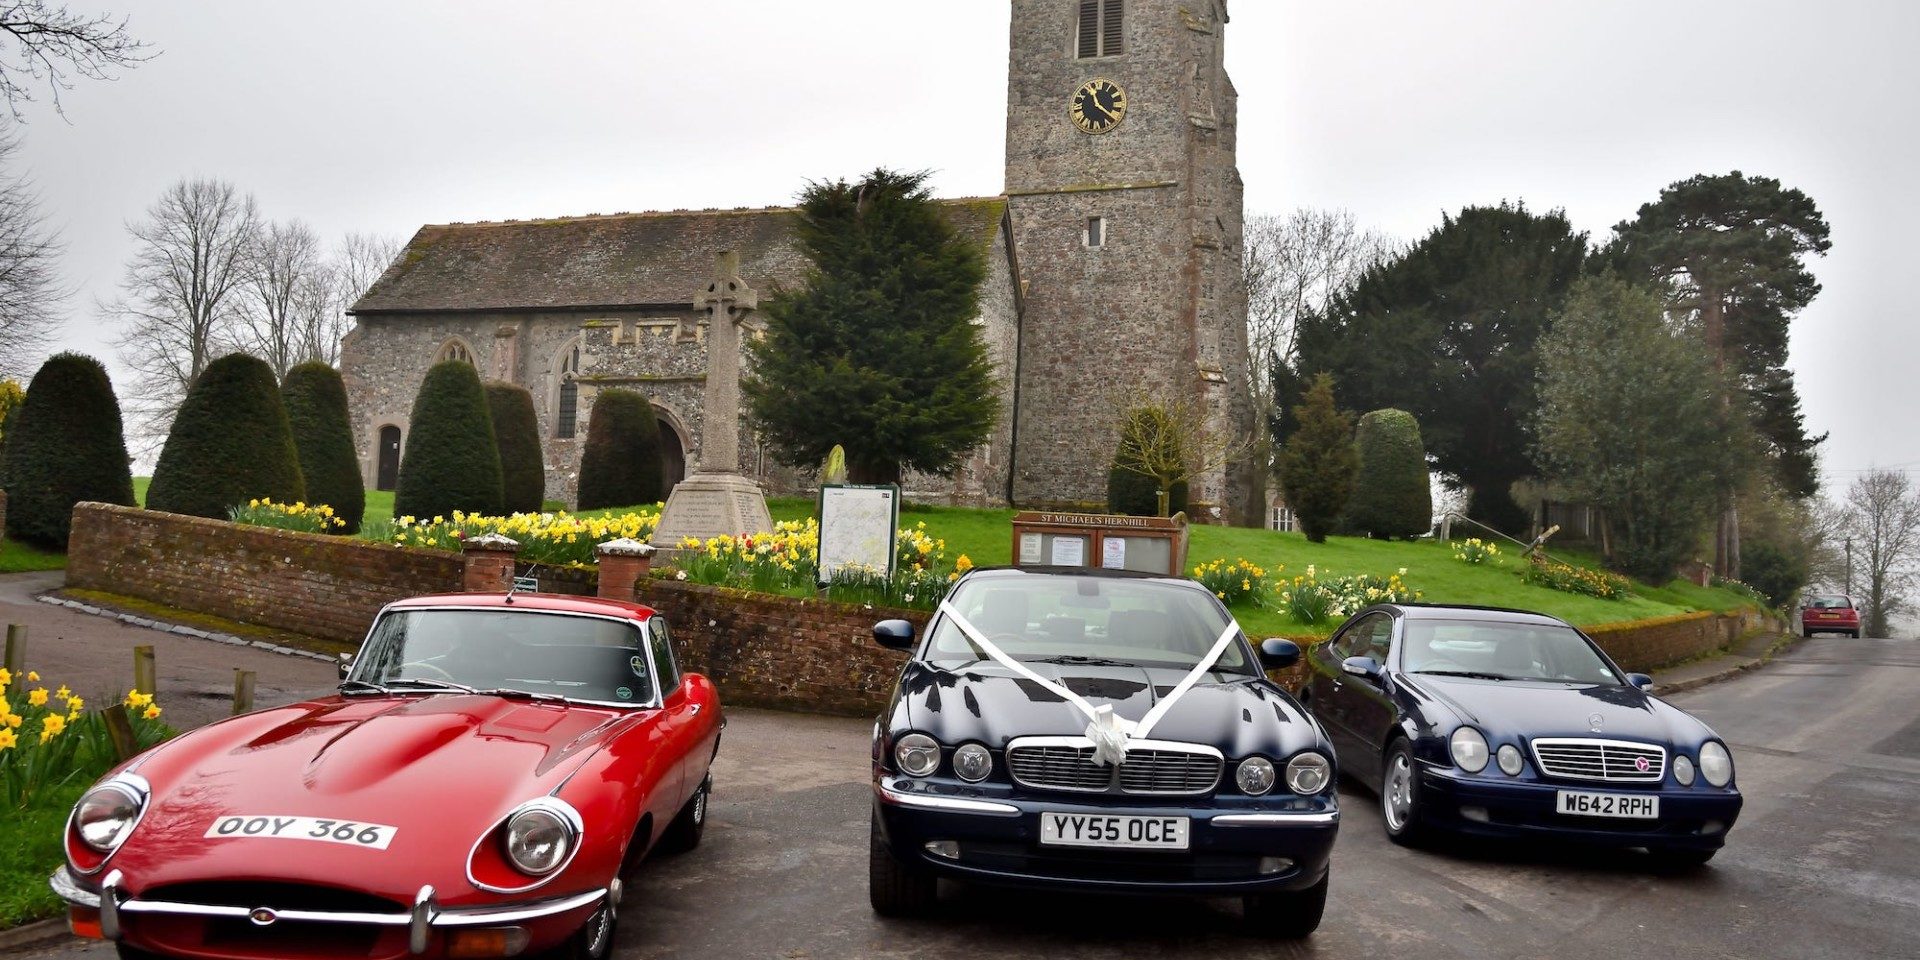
(894, 634)
(1277, 653)
(346, 664)
(1366, 668)
(1641, 680)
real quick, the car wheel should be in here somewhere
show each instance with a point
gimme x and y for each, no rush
(1288, 916)
(1678, 860)
(685, 831)
(897, 889)
(1400, 796)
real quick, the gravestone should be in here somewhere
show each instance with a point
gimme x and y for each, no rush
(717, 499)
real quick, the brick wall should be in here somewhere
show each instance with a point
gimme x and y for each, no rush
(1643, 645)
(321, 586)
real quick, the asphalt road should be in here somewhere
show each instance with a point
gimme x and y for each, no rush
(1825, 861)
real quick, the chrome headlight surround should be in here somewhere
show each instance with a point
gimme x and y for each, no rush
(972, 762)
(541, 836)
(124, 798)
(1468, 748)
(1255, 776)
(1716, 764)
(1682, 770)
(917, 755)
(1309, 773)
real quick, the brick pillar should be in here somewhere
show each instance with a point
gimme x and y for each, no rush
(488, 563)
(623, 563)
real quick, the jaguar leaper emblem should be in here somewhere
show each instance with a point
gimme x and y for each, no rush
(1594, 721)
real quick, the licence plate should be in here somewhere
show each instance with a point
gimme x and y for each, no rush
(1105, 830)
(350, 832)
(1630, 806)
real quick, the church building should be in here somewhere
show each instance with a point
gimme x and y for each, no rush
(1114, 267)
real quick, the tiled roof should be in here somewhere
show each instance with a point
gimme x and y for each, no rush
(616, 260)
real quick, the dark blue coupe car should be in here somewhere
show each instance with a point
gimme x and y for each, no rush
(1511, 724)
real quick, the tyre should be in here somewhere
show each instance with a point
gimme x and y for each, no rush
(690, 824)
(594, 939)
(1680, 860)
(1400, 796)
(897, 889)
(1288, 916)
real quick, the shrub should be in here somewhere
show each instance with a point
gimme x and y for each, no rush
(523, 471)
(316, 402)
(451, 461)
(1138, 495)
(1772, 572)
(1476, 551)
(621, 462)
(1391, 495)
(1566, 578)
(230, 443)
(1317, 467)
(64, 445)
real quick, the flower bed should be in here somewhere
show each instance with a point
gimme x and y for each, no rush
(786, 562)
(1571, 579)
(1309, 599)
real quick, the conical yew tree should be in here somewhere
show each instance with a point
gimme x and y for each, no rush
(451, 461)
(523, 473)
(230, 443)
(621, 464)
(316, 402)
(64, 445)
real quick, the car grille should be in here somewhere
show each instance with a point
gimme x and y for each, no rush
(1612, 761)
(1066, 763)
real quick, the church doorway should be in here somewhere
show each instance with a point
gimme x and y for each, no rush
(673, 456)
(387, 475)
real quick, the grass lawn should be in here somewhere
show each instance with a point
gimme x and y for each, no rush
(30, 850)
(17, 557)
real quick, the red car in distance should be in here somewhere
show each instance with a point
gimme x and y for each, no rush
(489, 767)
(1830, 614)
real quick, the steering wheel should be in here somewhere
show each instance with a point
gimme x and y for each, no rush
(444, 675)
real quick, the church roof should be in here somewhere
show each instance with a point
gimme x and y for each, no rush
(653, 259)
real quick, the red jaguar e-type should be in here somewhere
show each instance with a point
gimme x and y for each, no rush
(489, 766)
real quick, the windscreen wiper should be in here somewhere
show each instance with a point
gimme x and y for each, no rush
(429, 683)
(361, 686)
(1080, 661)
(1470, 674)
(527, 694)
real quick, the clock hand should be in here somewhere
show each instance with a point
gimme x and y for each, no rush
(1090, 104)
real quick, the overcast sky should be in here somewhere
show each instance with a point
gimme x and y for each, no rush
(383, 116)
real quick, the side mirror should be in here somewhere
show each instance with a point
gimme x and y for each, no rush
(894, 634)
(1366, 668)
(1641, 680)
(346, 664)
(1277, 653)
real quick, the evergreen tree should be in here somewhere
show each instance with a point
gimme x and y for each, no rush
(451, 461)
(878, 350)
(516, 431)
(1318, 464)
(64, 445)
(316, 402)
(1392, 496)
(1777, 574)
(229, 444)
(620, 466)
(1446, 332)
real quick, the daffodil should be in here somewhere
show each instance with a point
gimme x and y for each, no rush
(8, 739)
(37, 698)
(152, 713)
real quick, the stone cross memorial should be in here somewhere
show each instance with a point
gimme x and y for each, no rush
(717, 499)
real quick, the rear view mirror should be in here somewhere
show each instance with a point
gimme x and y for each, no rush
(894, 634)
(1366, 668)
(1277, 653)
(346, 664)
(1641, 680)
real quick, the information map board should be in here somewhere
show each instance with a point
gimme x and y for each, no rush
(1150, 544)
(859, 526)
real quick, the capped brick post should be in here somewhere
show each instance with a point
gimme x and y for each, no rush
(488, 563)
(622, 563)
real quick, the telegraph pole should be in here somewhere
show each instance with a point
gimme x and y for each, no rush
(1849, 588)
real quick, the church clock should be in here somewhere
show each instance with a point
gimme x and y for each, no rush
(1098, 106)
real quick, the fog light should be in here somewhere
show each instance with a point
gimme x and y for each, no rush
(944, 849)
(487, 942)
(1712, 827)
(1476, 814)
(1275, 865)
(84, 922)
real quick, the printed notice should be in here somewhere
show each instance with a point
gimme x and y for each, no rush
(1029, 548)
(1113, 553)
(1069, 551)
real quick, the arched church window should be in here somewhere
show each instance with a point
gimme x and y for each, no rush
(1102, 28)
(566, 419)
(455, 350)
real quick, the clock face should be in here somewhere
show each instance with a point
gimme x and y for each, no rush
(1098, 106)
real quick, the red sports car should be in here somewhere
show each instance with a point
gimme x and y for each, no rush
(489, 766)
(1830, 614)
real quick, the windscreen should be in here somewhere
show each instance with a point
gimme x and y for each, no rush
(1502, 651)
(1069, 619)
(1830, 603)
(580, 658)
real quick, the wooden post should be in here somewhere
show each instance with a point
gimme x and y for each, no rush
(143, 678)
(120, 730)
(242, 691)
(16, 649)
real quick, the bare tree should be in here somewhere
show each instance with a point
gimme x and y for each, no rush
(183, 291)
(53, 44)
(358, 261)
(30, 290)
(1295, 266)
(1883, 523)
(289, 291)
(1171, 439)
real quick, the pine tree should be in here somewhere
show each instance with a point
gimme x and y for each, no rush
(64, 445)
(1318, 464)
(516, 431)
(451, 461)
(229, 444)
(1392, 496)
(620, 466)
(316, 402)
(878, 350)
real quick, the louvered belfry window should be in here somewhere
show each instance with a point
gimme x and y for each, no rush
(1102, 28)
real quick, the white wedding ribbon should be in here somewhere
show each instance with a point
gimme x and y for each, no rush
(1110, 732)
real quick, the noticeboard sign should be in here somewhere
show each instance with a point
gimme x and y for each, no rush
(859, 527)
(1151, 544)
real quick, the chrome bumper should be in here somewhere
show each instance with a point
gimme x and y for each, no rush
(420, 921)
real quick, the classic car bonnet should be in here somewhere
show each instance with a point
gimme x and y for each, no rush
(1543, 709)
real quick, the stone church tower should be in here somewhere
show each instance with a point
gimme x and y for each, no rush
(1127, 214)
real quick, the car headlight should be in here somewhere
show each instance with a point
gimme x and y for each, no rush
(1254, 775)
(1510, 760)
(1716, 764)
(1308, 773)
(539, 838)
(1469, 749)
(972, 762)
(1683, 770)
(917, 754)
(107, 813)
